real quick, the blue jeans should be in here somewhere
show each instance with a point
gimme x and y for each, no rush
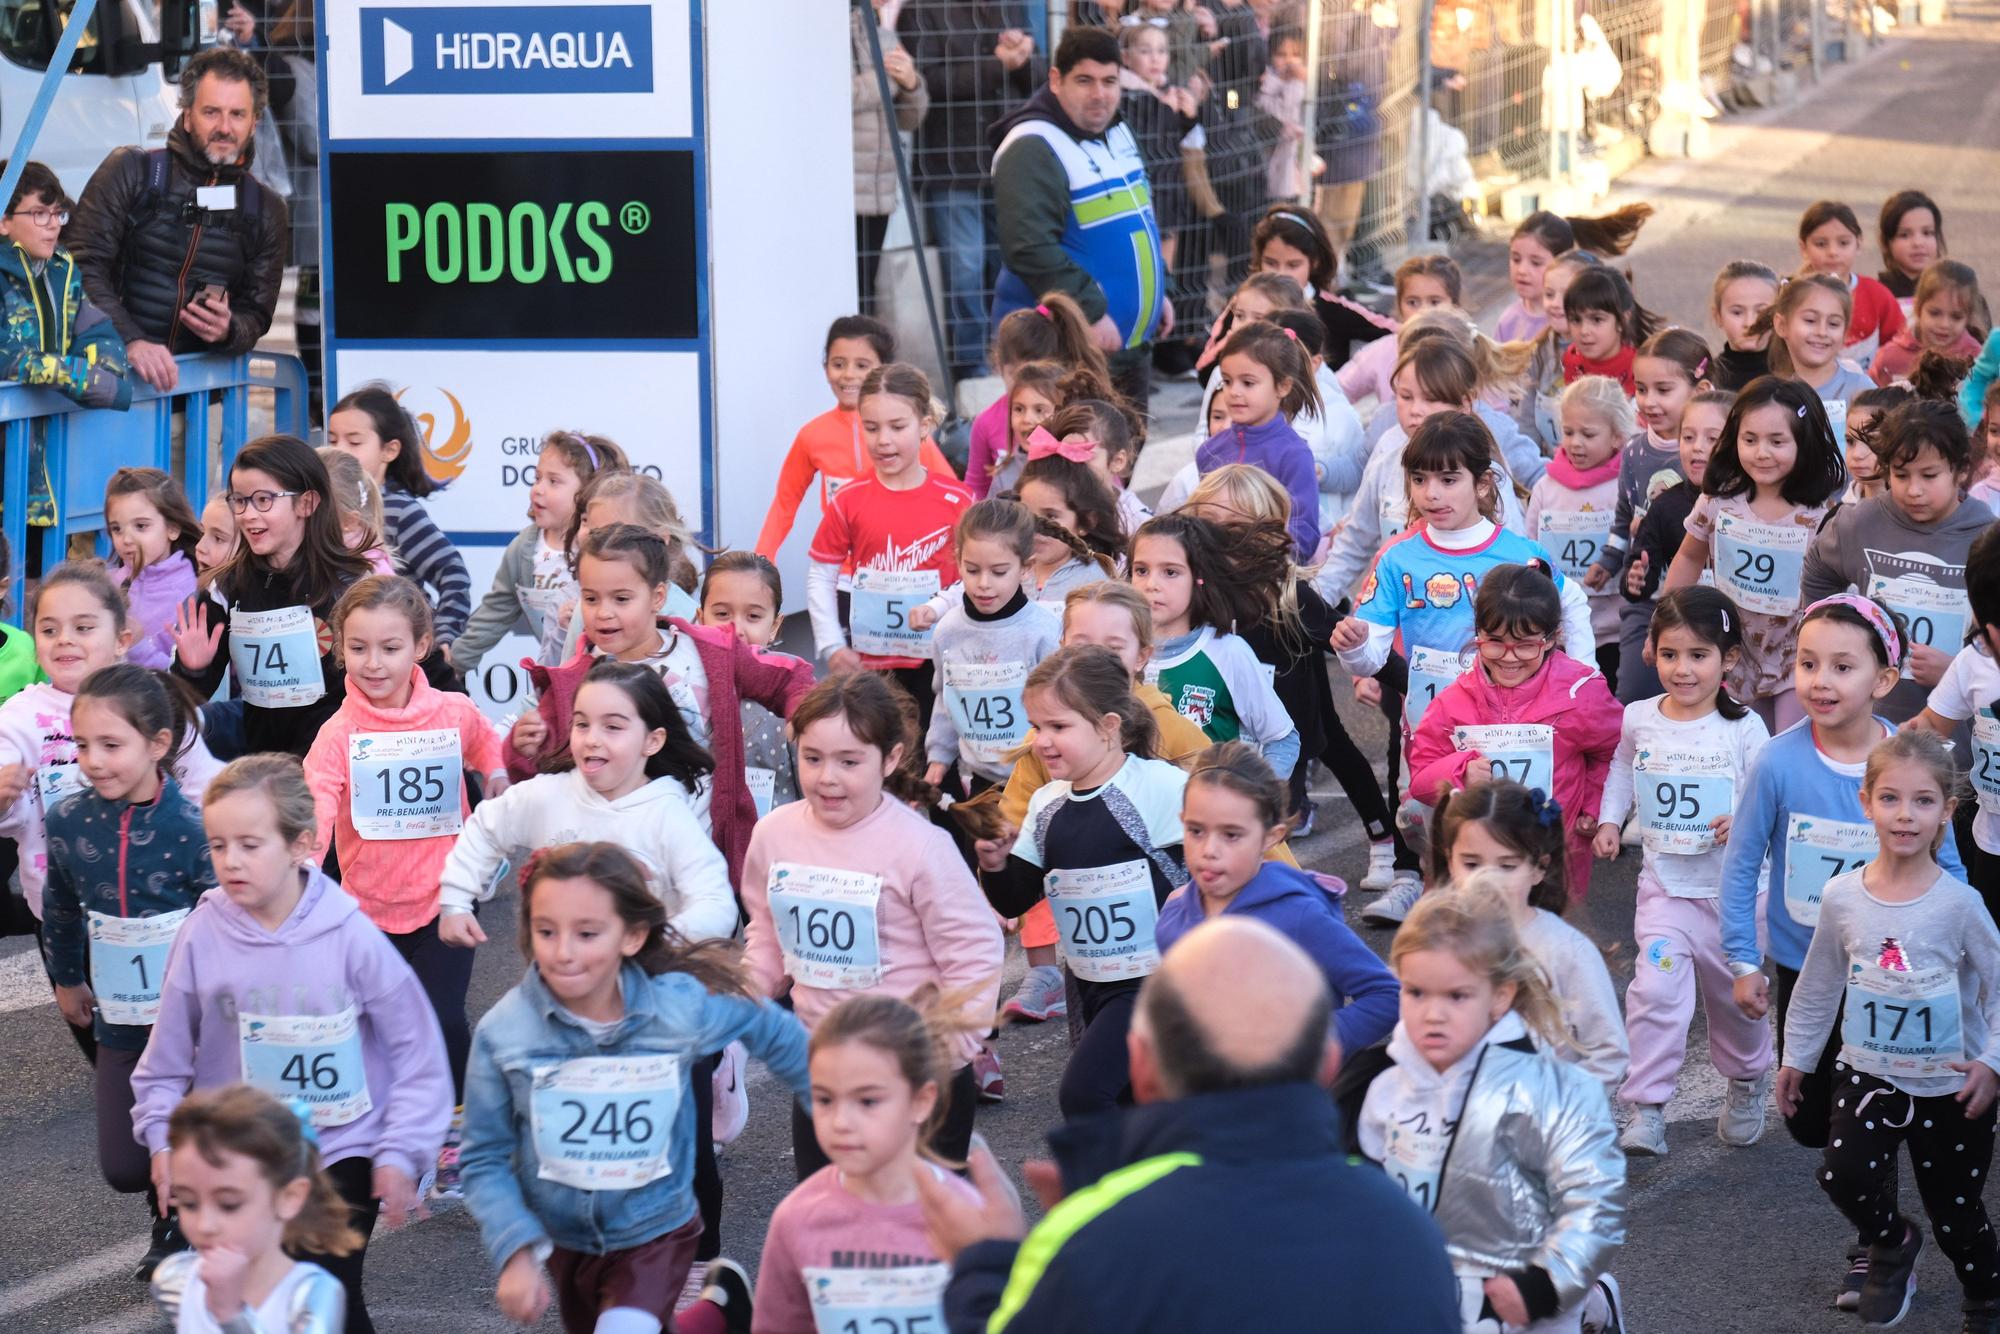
(956, 218)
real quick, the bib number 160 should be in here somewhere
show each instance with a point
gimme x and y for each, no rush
(821, 928)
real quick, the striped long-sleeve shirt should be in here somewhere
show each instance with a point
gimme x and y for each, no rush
(423, 553)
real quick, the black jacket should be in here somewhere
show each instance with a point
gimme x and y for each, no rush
(952, 45)
(146, 253)
(1659, 538)
(1271, 1229)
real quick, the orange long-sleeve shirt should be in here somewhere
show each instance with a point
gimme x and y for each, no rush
(828, 447)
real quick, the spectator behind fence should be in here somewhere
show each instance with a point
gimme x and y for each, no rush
(1234, 1154)
(875, 141)
(976, 62)
(180, 246)
(53, 335)
(1075, 209)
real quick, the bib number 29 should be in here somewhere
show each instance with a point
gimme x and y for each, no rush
(1759, 567)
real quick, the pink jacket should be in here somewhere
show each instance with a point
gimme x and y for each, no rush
(1567, 489)
(932, 922)
(736, 672)
(394, 880)
(991, 439)
(1566, 695)
(1897, 358)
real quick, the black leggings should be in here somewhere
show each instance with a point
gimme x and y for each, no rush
(1951, 1154)
(1394, 678)
(127, 1167)
(707, 1172)
(952, 1142)
(354, 1178)
(1099, 1074)
(445, 971)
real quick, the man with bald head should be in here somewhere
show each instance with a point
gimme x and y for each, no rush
(1224, 1200)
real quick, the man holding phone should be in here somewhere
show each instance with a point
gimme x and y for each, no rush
(181, 246)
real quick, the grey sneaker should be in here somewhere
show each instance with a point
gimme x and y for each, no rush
(1039, 997)
(1892, 1281)
(1742, 1121)
(1849, 1296)
(1646, 1133)
(1394, 906)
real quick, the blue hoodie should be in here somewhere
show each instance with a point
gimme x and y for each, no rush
(1365, 993)
(1282, 452)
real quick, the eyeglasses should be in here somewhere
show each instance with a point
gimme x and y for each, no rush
(1523, 649)
(261, 501)
(42, 217)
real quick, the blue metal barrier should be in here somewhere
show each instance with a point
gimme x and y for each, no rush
(84, 446)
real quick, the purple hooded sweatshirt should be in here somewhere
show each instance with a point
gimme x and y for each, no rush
(153, 596)
(1282, 452)
(325, 960)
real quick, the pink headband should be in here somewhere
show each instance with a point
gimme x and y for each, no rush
(1867, 610)
(1041, 445)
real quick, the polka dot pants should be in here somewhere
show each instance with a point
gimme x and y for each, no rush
(1951, 1155)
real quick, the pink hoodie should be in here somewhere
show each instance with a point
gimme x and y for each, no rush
(394, 880)
(1565, 695)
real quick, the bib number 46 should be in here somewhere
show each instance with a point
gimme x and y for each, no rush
(316, 1072)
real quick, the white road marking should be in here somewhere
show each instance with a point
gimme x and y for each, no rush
(23, 984)
(118, 1261)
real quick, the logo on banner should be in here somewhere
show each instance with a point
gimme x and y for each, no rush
(531, 49)
(444, 458)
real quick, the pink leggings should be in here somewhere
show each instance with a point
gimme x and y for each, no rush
(1680, 954)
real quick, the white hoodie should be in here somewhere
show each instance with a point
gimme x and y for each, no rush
(35, 731)
(656, 824)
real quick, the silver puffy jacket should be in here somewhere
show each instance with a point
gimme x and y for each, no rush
(1534, 1175)
(317, 1306)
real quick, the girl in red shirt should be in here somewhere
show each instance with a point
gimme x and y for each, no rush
(1829, 239)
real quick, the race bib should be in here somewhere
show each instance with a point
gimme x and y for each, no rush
(763, 788)
(1680, 790)
(128, 958)
(1393, 510)
(1986, 759)
(1761, 565)
(315, 1058)
(985, 703)
(1574, 537)
(275, 655)
(1897, 1023)
(1413, 1154)
(1836, 410)
(1106, 916)
(878, 616)
(906, 1300)
(826, 925)
(834, 486)
(1936, 615)
(53, 782)
(1816, 851)
(405, 784)
(1431, 670)
(606, 1122)
(1548, 417)
(546, 606)
(1522, 752)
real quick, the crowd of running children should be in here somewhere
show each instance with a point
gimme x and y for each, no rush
(1734, 603)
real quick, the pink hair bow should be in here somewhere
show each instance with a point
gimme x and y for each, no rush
(1041, 445)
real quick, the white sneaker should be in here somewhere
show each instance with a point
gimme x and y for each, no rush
(731, 1098)
(1742, 1121)
(1604, 1308)
(1646, 1133)
(697, 1279)
(1394, 906)
(1381, 867)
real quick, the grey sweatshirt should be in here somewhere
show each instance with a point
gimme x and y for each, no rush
(1915, 569)
(1934, 952)
(1644, 470)
(981, 666)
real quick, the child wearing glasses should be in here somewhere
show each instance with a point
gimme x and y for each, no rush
(1523, 711)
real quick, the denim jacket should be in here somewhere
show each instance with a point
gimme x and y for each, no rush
(530, 1031)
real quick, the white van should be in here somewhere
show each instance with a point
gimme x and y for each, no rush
(119, 92)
